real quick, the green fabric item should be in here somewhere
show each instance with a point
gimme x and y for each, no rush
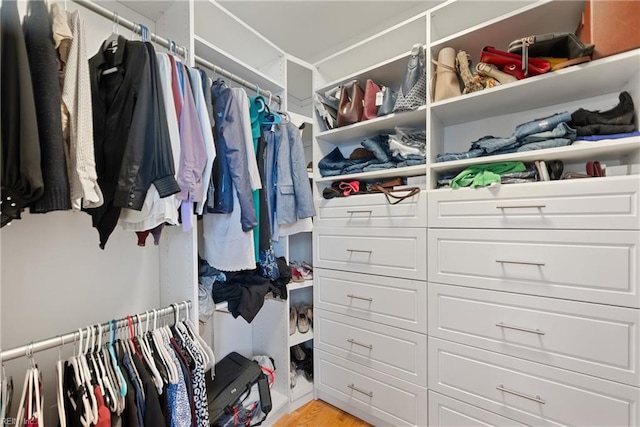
(257, 117)
(487, 174)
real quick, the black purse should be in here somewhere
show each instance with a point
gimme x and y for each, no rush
(553, 45)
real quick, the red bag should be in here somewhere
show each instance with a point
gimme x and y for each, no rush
(511, 63)
(370, 108)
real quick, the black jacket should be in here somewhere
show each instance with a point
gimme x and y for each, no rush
(21, 179)
(132, 145)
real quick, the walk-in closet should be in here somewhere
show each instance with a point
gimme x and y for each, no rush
(418, 213)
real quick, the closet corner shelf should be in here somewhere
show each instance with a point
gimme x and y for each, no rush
(302, 388)
(224, 60)
(556, 87)
(386, 173)
(415, 118)
(604, 150)
(298, 338)
(300, 285)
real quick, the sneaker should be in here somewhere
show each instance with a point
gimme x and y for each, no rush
(303, 323)
(293, 319)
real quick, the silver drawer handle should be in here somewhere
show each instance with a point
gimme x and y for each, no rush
(362, 298)
(517, 393)
(359, 250)
(504, 261)
(522, 207)
(354, 388)
(519, 328)
(352, 341)
(364, 212)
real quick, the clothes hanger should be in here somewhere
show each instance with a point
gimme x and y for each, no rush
(105, 360)
(95, 374)
(62, 415)
(160, 350)
(148, 357)
(111, 43)
(260, 100)
(87, 415)
(26, 386)
(87, 380)
(162, 345)
(107, 389)
(207, 350)
(114, 360)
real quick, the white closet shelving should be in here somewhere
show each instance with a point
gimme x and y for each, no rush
(501, 255)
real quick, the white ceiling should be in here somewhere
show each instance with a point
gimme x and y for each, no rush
(313, 29)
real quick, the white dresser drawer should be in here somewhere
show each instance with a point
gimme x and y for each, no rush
(593, 266)
(372, 210)
(387, 398)
(395, 252)
(447, 412)
(393, 351)
(611, 203)
(395, 302)
(529, 392)
(594, 339)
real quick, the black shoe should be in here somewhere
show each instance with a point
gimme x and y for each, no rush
(621, 114)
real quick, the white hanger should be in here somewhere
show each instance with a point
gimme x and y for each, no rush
(122, 385)
(151, 363)
(26, 386)
(85, 418)
(208, 351)
(161, 344)
(87, 380)
(62, 415)
(96, 370)
(108, 390)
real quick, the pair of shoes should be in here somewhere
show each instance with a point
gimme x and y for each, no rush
(555, 168)
(298, 353)
(293, 375)
(621, 114)
(302, 318)
(594, 169)
(302, 357)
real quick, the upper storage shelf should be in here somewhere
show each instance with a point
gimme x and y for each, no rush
(557, 87)
(370, 52)
(540, 17)
(217, 32)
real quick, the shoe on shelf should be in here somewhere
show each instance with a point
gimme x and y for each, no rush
(302, 270)
(622, 114)
(298, 354)
(309, 312)
(293, 375)
(490, 70)
(303, 322)
(293, 320)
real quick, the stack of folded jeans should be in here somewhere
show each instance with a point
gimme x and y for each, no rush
(382, 157)
(616, 121)
(548, 132)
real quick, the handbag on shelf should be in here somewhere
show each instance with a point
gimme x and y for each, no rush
(554, 45)
(388, 101)
(514, 64)
(351, 104)
(371, 91)
(413, 91)
(445, 83)
(398, 195)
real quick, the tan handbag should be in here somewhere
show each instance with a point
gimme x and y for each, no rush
(446, 80)
(351, 104)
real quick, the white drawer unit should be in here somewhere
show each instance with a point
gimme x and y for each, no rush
(447, 412)
(395, 402)
(394, 252)
(387, 349)
(529, 392)
(391, 301)
(610, 204)
(593, 266)
(595, 339)
(372, 210)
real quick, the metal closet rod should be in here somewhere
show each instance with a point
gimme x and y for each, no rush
(72, 337)
(243, 82)
(167, 44)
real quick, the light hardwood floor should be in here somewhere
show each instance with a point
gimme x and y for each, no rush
(319, 414)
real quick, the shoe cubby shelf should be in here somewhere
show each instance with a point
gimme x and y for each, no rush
(299, 338)
(605, 150)
(302, 388)
(385, 173)
(539, 17)
(358, 131)
(294, 286)
(558, 87)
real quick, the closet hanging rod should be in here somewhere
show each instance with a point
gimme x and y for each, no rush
(240, 80)
(167, 44)
(73, 337)
(95, 7)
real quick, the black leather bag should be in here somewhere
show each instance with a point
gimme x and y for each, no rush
(552, 45)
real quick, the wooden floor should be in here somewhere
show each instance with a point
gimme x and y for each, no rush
(320, 414)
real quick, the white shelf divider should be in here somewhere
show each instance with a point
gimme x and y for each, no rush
(385, 173)
(294, 286)
(299, 338)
